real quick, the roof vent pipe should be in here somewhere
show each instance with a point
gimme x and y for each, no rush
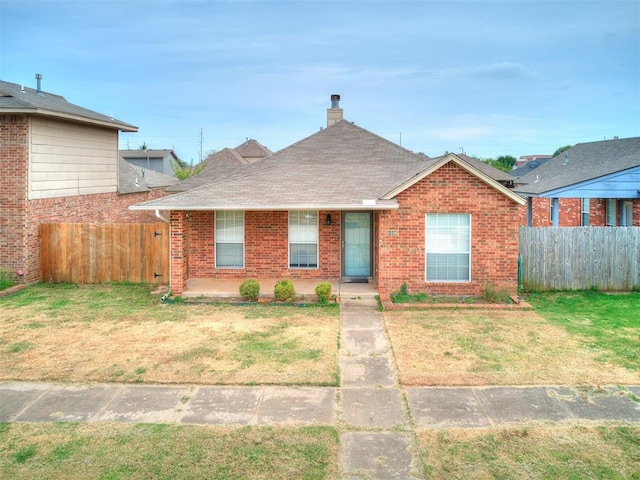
(39, 82)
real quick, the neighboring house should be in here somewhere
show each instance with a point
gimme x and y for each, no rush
(525, 159)
(591, 184)
(223, 163)
(346, 204)
(134, 179)
(156, 160)
(526, 167)
(58, 163)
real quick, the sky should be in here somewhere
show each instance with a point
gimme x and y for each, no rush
(483, 77)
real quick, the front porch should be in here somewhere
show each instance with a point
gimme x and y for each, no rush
(229, 288)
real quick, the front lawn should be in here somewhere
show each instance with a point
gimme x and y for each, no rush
(121, 333)
(572, 452)
(608, 323)
(571, 338)
(124, 451)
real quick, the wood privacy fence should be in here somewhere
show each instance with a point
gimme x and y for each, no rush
(577, 258)
(95, 253)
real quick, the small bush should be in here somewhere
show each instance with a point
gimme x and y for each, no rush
(403, 296)
(490, 294)
(250, 289)
(284, 291)
(323, 291)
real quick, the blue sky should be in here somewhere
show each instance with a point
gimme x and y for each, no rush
(492, 78)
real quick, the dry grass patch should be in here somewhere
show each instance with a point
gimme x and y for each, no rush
(481, 347)
(118, 451)
(533, 452)
(62, 336)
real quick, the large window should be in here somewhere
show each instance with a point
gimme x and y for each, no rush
(230, 239)
(303, 239)
(448, 247)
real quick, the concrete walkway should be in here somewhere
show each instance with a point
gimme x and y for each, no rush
(375, 417)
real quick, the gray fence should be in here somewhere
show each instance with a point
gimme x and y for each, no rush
(576, 258)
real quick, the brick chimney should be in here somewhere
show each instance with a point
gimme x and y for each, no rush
(334, 114)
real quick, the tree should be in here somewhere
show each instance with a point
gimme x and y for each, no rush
(144, 146)
(183, 170)
(561, 149)
(507, 161)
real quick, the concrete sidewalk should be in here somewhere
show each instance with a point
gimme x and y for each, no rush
(376, 418)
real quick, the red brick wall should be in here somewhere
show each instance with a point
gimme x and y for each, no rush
(266, 247)
(494, 234)
(20, 218)
(571, 212)
(14, 155)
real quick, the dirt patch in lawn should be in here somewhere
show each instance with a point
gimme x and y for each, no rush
(461, 347)
(203, 344)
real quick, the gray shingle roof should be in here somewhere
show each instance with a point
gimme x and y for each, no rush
(488, 170)
(16, 99)
(133, 179)
(583, 162)
(341, 165)
(251, 149)
(528, 167)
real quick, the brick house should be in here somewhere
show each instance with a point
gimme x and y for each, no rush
(591, 184)
(345, 204)
(59, 163)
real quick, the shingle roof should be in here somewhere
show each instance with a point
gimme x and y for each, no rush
(343, 166)
(528, 167)
(223, 163)
(17, 99)
(490, 171)
(133, 179)
(583, 162)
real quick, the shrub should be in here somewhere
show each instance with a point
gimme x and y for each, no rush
(284, 291)
(323, 291)
(250, 289)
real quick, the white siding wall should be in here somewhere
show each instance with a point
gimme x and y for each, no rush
(69, 159)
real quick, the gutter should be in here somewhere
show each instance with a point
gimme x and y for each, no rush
(161, 217)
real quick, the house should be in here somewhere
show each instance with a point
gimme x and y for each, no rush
(156, 160)
(525, 168)
(223, 163)
(526, 159)
(59, 162)
(345, 204)
(591, 184)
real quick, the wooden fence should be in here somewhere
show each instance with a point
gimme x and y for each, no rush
(95, 253)
(577, 258)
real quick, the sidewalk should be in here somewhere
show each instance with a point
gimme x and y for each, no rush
(376, 418)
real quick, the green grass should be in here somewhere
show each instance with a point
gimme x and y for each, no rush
(123, 451)
(611, 322)
(576, 452)
(7, 279)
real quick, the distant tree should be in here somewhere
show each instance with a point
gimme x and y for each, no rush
(501, 163)
(209, 153)
(182, 170)
(507, 161)
(144, 146)
(561, 149)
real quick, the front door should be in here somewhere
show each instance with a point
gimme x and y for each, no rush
(356, 245)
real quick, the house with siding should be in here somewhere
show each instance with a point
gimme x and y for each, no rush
(59, 162)
(156, 160)
(347, 205)
(591, 184)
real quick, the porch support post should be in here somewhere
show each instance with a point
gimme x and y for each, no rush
(555, 212)
(178, 253)
(529, 211)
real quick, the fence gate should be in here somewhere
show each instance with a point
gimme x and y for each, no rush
(96, 253)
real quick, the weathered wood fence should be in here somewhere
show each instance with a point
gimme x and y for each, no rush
(95, 253)
(577, 258)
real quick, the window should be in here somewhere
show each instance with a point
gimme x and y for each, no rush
(626, 214)
(303, 239)
(585, 212)
(448, 247)
(230, 239)
(611, 212)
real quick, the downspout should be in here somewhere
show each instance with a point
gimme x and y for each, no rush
(159, 215)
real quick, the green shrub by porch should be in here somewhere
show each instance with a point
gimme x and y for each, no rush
(284, 291)
(323, 291)
(250, 289)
